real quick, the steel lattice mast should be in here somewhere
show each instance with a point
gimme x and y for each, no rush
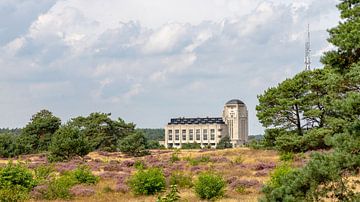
(307, 50)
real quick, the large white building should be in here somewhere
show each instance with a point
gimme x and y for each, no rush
(208, 131)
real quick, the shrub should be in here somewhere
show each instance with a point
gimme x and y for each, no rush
(172, 196)
(181, 180)
(190, 146)
(139, 165)
(209, 186)
(287, 156)
(277, 175)
(147, 182)
(153, 144)
(134, 144)
(43, 172)
(224, 143)
(13, 194)
(16, 175)
(60, 187)
(174, 157)
(67, 143)
(83, 175)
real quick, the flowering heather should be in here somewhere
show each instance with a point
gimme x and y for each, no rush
(113, 167)
(231, 179)
(109, 175)
(128, 163)
(262, 166)
(123, 188)
(38, 191)
(219, 159)
(80, 190)
(94, 166)
(261, 173)
(63, 167)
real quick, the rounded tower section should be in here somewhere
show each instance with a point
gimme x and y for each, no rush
(235, 116)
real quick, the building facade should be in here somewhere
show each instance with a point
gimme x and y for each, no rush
(208, 131)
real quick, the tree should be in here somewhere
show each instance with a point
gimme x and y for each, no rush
(103, 132)
(224, 143)
(8, 146)
(36, 136)
(134, 144)
(67, 143)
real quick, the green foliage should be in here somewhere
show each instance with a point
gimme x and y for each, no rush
(59, 187)
(172, 196)
(83, 175)
(196, 161)
(155, 134)
(153, 144)
(175, 156)
(16, 175)
(43, 173)
(37, 134)
(139, 164)
(190, 146)
(147, 182)
(134, 145)
(8, 146)
(13, 194)
(289, 143)
(224, 143)
(209, 186)
(241, 189)
(181, 180)
(102, 132)
(67, 143)
(287, 156)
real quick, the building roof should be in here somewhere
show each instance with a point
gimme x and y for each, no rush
(235, 101)
(208, 120)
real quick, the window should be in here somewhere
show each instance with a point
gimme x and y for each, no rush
(191, 134)
(212, 134)
(205, 134)
(197, 134)
(170, 134)
(183, 134)
(176, 134)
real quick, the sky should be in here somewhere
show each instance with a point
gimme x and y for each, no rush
(149, 61)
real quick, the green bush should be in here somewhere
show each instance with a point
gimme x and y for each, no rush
(59, 187)
(83, 175)
(172, 196)
(68, 142)
(43, 173)
(278, 174)
(134, 144)
(153, 144)
(181, 180)
(287, 156)
(16, 175)
(147, 182)
(139, 165)
(175, 156)
(209, 186)
(13, 194)
(190, 146)
(224, 143)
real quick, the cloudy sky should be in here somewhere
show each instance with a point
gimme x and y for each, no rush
(148, 61)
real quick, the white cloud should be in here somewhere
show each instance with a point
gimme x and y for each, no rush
(156, 58)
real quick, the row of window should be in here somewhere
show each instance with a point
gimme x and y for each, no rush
(191, 134)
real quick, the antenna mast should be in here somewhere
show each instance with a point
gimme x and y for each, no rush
(307, 50)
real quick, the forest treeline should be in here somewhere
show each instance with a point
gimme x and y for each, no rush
(77, 137)
(318, 109)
